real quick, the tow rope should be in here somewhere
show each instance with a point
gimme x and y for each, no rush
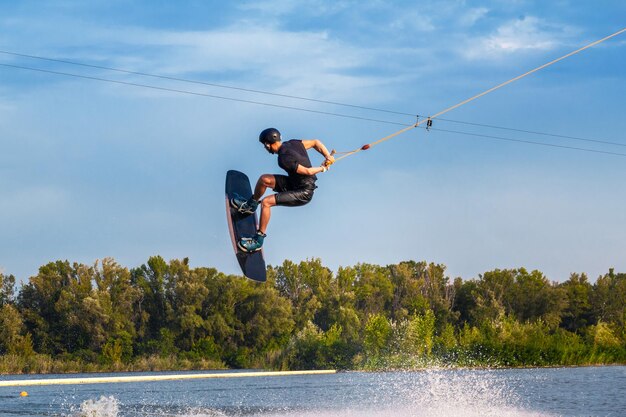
(429, 120)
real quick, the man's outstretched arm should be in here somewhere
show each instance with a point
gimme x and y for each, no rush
(319, 146)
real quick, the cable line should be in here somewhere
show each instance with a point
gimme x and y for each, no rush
(195, 93)
(165, 77)
(364, 147)
(604, 142)
(528, 142)
(429, 120)
(407, 127)
(178, 79)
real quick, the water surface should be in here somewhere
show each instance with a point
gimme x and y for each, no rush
(593, 391)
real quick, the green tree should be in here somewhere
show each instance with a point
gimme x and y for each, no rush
(265, 318)
(114, 297)
(153, 306)
(51, 306)
(378, 331)
(307, 317)
(527, 296)
(339, 306)
(219, 312)
(446, 340)
(13, 336)
(186, 293)
(465, 301)
(604, 337)
(337, 352)
(373, 290)
(577, 313)
(440, 293)
(7, 289)
(420, 334)
(409, 290)
(609, 298)
(491, 295)
(307, 286)
(303, 351)
(533, 298)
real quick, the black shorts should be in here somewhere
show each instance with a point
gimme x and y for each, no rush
(289, 195)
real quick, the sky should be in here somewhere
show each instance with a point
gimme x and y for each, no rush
(105, 163)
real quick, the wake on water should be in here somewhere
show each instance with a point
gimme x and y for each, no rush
(411, 394)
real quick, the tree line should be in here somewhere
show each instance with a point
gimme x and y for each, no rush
(167, 315)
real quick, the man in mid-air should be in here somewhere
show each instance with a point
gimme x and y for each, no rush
(292, 190)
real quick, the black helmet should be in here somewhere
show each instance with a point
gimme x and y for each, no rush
(269, 135)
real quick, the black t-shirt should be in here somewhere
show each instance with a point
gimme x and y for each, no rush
(291, 154)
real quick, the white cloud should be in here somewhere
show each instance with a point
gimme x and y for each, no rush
(263, 51)
(269, 59)
(472, 16)
(413, 21)
(525, 34)
(244, 53)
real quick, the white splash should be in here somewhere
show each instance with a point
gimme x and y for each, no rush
(431, 393)
(434, 394)
(103, 407)
(468, 394)
(110, 407)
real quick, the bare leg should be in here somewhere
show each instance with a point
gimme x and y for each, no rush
(266, 204)
(265, 181)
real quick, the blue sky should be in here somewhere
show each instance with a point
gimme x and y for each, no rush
(92, 169)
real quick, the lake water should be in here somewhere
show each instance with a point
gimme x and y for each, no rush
(592, 391)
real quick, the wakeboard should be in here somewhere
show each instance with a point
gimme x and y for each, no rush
(252, 264)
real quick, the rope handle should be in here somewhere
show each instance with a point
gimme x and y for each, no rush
(327, 163)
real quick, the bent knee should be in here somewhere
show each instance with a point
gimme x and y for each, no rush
(268, 202)
(268, 180)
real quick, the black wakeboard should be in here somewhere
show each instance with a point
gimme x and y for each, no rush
(252, 264)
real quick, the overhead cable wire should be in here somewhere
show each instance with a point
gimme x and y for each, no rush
(407, 127)
(527, 141)
(554, 135)
(462, 103)
(196, 93)
(185, 80)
